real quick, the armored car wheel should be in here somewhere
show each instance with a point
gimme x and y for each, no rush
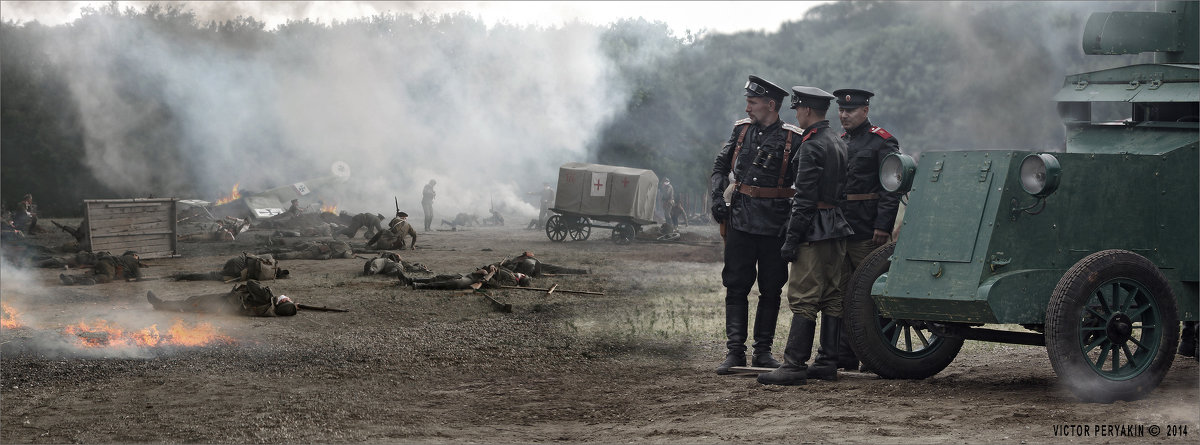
(623, 233)
(580, 228)
(556, 229)
(892, 348)
(1112, 327)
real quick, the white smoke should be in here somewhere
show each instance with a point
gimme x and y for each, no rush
(488, 113)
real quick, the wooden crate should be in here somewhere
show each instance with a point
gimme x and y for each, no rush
(144, 225)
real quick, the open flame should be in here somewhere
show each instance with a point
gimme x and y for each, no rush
(232, 196)
(329, 209)
(102, 334)
(10, 318)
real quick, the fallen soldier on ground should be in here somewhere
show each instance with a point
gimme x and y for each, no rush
(250, 299)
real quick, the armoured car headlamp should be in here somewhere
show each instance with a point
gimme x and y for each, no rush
(1039, 174)
(897, 172)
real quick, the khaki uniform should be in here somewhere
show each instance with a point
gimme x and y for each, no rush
(251, 299)
(316, 250)
(108, 268)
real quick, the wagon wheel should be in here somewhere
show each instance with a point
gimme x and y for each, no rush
(623, 233)
(892, 348)
(580, 228)
(1112, 327)
(556, 229)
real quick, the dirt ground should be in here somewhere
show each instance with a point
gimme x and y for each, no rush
(632, 366)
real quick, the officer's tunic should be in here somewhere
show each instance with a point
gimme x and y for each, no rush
(762, 171)
(868, 207)
(816, 225)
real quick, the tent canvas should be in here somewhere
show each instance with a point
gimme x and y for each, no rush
(606, 192)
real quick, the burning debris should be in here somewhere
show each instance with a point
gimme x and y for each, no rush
(10, 318)
(102, 334)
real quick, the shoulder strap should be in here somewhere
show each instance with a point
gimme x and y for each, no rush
(881, 132)
(787, 149)
(738, 148)
(787, 152)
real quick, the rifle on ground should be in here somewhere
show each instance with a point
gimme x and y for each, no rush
(66, 229)
(320, 308)
(552, 289)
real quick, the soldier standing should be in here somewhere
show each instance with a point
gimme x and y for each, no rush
(756, 163)
(547, 202)
(427, 202)
(815, 245)
(667, 194)
(870, 210)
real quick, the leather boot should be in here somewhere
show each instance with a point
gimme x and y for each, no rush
(1188, 343)
(764, 334)
(846, 358)
(736, 317)
(795, 355)
(826, 364)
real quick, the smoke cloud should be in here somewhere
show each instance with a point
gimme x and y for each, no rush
(489, 113)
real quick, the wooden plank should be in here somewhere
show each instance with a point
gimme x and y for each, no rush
(128, 200)
(110, 219)
(127, 240)
(119, 206)
(133, 229)
(125, 234)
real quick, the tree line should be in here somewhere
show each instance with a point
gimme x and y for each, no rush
(962, 75)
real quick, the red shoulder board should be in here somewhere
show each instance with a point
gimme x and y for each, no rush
(881, 132)
(742, 122)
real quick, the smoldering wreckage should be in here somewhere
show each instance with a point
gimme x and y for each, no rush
(277, 227)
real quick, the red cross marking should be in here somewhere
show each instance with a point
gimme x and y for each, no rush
(625, 182)
(598, 184)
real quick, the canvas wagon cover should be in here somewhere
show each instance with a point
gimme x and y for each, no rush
(606, 192)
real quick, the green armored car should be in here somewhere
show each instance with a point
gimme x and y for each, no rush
(1092, 251)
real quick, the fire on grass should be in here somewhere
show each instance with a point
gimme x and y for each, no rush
(232, 196)
(102, 334)
(10, 318)
(329, 209)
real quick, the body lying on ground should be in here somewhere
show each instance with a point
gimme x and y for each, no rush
(250, 299)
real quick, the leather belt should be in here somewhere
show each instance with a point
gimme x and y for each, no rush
(765, 192)
(825, 205)
(861, 196)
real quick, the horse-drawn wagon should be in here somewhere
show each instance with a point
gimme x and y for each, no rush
(593, 192)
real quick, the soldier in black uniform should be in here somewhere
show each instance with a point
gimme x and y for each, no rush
(756, 163)
(815, 244)
(870, 210)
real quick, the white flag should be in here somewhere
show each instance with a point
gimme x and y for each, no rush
(599, 181)
(300, 188)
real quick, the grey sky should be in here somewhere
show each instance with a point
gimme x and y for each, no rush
(714, 16)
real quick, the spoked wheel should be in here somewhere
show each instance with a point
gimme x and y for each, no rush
(892, 348)
(623, 233)
(556, 229)
(580, 228)
(1112, 327)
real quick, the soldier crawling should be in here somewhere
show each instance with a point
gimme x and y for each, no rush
(393, 237)
(250, 299)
